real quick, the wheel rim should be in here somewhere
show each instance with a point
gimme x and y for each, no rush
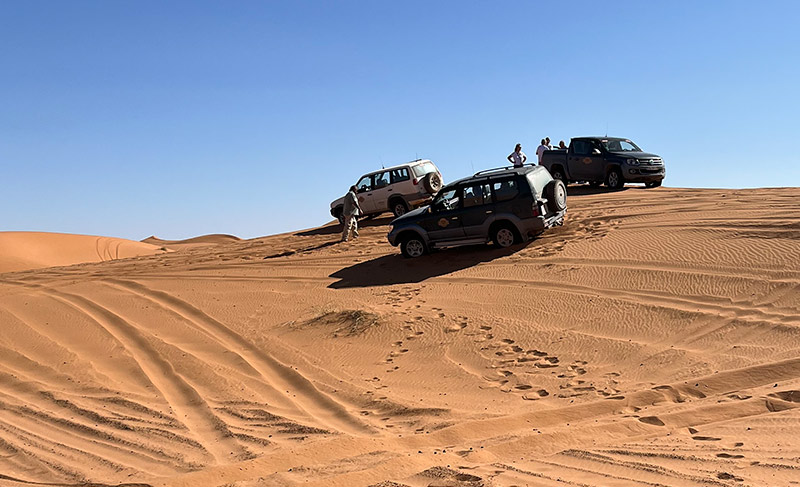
(561, 197)
(436, 182)
(557, 175)
(399, 209)
(414, 248)
(505, 237)
(613, 179)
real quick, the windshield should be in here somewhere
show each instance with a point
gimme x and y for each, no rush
(620, 146)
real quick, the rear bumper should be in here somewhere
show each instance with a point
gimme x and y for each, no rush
(535, 226)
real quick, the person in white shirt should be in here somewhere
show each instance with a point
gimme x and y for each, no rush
(540, 150)
(517, 158)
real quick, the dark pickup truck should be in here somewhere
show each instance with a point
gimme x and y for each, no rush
(610, 160)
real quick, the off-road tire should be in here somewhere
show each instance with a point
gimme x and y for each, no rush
(398, 207)
(614, 179)
(556, 194)
(504, 235)
(338, 212)
(432, 182)
(412, 247)
(558, 173)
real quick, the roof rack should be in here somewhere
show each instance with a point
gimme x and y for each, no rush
(504, 168)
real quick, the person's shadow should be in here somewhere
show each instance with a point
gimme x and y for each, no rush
(395, 269)
(334, 228)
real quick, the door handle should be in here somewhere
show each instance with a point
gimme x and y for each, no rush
(454, 218)
(488, 211)
(390, 189)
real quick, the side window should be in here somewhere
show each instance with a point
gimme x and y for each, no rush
(364, 185)
(398, 175)
(446, 200)
(505, 190)
(476, 195)
(381, 180)
(581, 147)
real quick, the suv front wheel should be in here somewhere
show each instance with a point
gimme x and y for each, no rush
(614, 179)
(412, 247)
(504, 236)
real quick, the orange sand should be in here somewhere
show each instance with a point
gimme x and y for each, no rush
(654, 339)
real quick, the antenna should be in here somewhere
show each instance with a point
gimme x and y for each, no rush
(381, 159)
(471, 166)
(606, 128)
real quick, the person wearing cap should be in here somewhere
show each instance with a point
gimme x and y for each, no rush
(517, 158)
(350, 213)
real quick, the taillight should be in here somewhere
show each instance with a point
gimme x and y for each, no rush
(535, 208)
(416, 181)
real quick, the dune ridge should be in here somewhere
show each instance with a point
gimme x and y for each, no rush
(651, 340)
(34, 250)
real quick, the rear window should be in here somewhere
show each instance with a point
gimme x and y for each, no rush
(539, 180)
(423, 169)
(504, 190)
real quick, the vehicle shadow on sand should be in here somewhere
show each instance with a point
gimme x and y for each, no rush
(336, 228)
(395, 269)
(586, 190)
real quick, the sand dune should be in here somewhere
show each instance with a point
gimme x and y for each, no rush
(204, 240)
(654, 339)
(34, 250)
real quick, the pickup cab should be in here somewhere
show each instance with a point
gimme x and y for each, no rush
(610, 160)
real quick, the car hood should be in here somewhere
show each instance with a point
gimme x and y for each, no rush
(411, 215)
(636, 155)
(338, 202)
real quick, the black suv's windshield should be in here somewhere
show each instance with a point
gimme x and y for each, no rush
(620, 146)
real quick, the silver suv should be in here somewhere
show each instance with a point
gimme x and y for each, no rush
(396, 189)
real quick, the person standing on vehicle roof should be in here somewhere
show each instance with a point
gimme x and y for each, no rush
(350, 213)
(547, 143)
(517, 158)
(540, 150)
(562, 145)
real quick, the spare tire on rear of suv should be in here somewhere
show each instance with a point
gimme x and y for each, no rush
(556, 194)
(432, 182)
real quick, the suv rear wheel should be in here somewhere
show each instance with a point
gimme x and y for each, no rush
(432, 182)
(504, 236)
(557, 173)
(399, 207)
(412, 246)
(339, 216)
(556, 194)
(614, 179)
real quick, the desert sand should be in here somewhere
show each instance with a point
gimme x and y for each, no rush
(653, 340)
(35, 250)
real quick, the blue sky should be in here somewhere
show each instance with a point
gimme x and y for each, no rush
(132, 118)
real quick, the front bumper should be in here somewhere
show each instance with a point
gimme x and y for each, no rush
(644, 174)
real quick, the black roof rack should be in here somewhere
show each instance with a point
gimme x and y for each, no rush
(504, 168)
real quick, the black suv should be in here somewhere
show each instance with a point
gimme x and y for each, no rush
(504, 205)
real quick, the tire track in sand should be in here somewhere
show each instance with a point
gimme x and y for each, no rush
(210, 431)
(305, 395)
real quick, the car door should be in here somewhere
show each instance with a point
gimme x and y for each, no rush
(586, 160)
(476, 200)
(364, 193)
(443, 221)
(381, 190)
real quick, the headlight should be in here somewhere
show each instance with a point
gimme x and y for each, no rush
(632, 162)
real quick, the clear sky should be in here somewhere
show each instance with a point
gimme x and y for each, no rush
(173, 118)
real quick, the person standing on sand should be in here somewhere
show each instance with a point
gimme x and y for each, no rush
(540, 150)
(350, 213)
(517, 158)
